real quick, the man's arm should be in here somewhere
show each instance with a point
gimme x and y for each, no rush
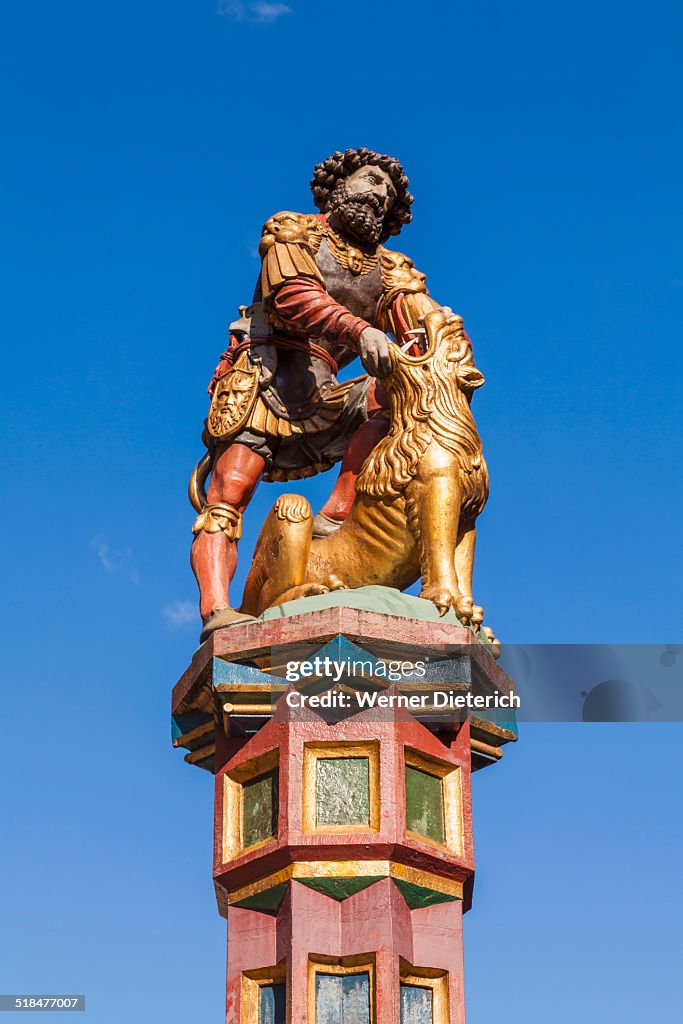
(303, 304)
(294, 294)
(307, 308)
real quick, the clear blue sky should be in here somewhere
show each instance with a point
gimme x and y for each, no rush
(143, 146)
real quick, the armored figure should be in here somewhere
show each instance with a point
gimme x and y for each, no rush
(328, 291)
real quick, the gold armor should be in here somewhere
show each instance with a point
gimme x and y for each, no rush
(219, 517)
(289, 244)
(232, 401)
(246, 400)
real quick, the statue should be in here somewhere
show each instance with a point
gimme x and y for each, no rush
(418, 495)
(351, 816)
(329, 291)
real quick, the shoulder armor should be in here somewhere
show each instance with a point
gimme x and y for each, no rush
(289, 242)
(292, 229)
(399, 275)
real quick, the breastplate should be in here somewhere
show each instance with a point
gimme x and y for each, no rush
(360, 293)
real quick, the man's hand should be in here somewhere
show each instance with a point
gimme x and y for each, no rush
(373, 348)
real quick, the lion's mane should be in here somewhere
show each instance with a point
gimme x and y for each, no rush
(429, 401)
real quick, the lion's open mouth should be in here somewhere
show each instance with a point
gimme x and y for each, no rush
(416, 343)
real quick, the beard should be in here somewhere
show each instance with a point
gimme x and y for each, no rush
(359, 212)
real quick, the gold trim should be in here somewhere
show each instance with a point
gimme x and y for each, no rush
(200, 754)
(349, 257)
(491, 729)
(426, 879)
(319, 964)
(313, 752)
(479, 747)
(428, 977)
(257, 688)
(252, 981)
(254, 888)
(194, 734)
(288, 246)
(348, 869)
(451, 789)
(247, 709)
(233, 400)
(233, 824)
(217, 517)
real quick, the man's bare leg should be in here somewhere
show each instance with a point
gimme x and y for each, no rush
(234, 479)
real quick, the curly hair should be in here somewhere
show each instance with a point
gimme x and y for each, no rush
(340, 165)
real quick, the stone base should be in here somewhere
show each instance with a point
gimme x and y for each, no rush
(343, 852)
(242, 667)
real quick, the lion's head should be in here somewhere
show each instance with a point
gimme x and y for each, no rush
(430, 400)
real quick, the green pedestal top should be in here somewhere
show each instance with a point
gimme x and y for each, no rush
(371, 599)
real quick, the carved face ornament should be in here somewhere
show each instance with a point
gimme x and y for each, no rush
(232, 401)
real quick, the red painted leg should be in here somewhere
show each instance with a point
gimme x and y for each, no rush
(234, 479)
(339, 503)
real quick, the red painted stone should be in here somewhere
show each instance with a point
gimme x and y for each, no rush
(292, 844)
(375, 923)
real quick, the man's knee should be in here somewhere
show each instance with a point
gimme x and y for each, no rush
(376, 397)
(236, 473)
(363, 441)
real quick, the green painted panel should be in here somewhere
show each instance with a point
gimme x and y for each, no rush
(340, 888)
(272, 1004)
(342, 791)
(342, 998)
(417, 896)
(416, 1004)
(269, 901)
(424, 804)
(259, 808)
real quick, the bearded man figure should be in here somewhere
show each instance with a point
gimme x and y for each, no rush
(328, 291)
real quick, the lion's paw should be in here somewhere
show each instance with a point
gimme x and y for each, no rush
(444, 598)
(334, 583)
(493, 640)
(300, 590)
(314, 589)
(464, 609)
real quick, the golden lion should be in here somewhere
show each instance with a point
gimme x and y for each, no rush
(417, 497)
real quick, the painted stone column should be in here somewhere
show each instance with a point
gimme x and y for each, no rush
(343, 851)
